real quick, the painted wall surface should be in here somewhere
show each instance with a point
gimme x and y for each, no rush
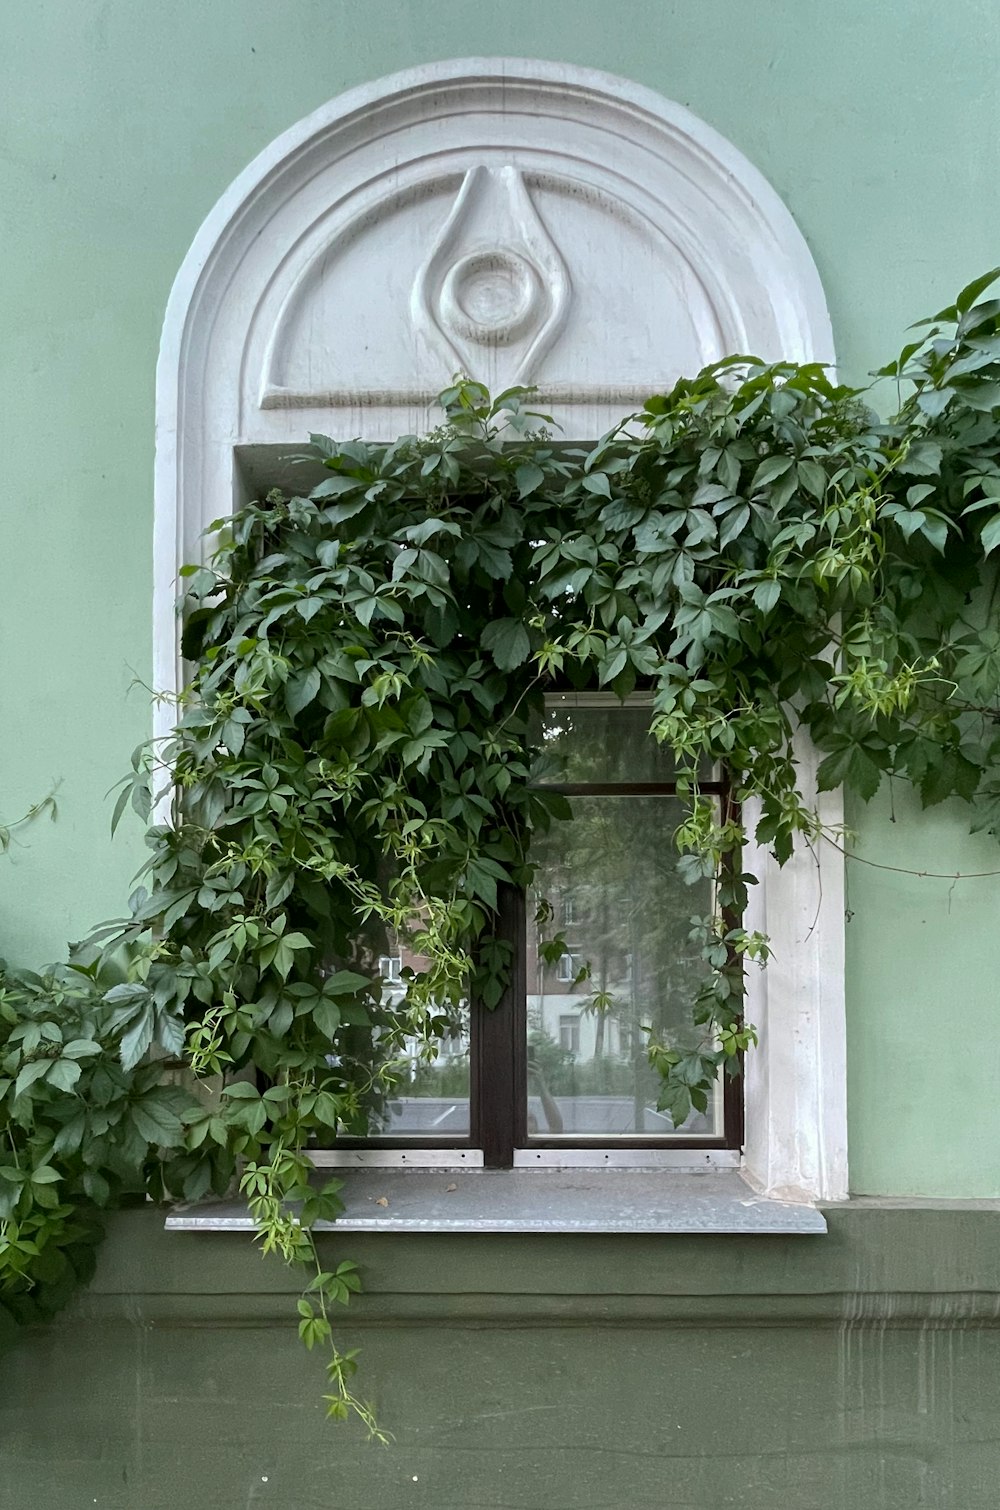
(123, 121)
(856, 1371)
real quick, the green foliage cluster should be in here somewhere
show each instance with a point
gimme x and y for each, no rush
(80, 1131)
(756, 549)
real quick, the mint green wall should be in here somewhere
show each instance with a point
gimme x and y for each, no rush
(122, 122)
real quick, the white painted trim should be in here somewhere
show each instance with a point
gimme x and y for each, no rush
(751, 281)
(397, 1158)
(687, 1160)
(796, 1078)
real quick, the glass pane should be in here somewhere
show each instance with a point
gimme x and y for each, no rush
(607, 885)
(415, 1088)
(600, 744)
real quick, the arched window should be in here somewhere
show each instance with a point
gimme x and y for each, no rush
(526, 223)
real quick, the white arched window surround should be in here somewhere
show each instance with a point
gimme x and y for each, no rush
(525, 222)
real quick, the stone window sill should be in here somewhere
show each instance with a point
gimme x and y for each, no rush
(517, 1200)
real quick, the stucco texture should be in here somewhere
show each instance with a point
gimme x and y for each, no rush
(121, 124)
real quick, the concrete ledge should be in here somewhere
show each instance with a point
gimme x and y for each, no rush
(534, 1201)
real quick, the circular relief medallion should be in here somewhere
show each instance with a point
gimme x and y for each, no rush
(491, 297)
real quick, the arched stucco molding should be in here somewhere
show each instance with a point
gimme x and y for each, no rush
(526, 222)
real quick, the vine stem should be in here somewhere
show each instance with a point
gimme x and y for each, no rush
(903, 870)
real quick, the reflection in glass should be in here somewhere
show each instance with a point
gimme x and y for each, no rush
(590, 741)
(607, 885)
(418, 1089)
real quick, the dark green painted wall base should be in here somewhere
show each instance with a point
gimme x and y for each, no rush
(846, 1372)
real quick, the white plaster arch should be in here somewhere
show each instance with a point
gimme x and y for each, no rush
(527, 222)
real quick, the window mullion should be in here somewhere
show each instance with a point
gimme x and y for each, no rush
(498, 1048)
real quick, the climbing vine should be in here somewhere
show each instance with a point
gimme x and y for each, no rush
(757, 551)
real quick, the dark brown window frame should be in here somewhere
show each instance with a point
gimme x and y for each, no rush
(498, 1081)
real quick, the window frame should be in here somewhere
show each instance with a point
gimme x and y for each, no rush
(498, 1081)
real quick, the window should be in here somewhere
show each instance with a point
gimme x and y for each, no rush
(559, 1068)
(569, 1034)
(246, 371)
(566, 969)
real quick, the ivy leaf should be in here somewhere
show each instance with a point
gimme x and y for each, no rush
(813, 477)
(952, 774)
(29, 1074)
(64, 1074)
(135, 1042)
(970, 293)
(528, 477)
(675, 1100)
(338, 513)
(333, 487)
(156, 1122)
(923, 459)
(326, 1016)
(420, 533)
(769, 470)
(345, 983)
(169, 1032)
(494, 559)
(81, 1048)
(851, 766)
(935, 530)
(301, 689)
(44, 1174)
(97, 1187)
(508, 643)
(766, 595)
(991, 534)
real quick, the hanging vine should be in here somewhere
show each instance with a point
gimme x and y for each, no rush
(756, 550)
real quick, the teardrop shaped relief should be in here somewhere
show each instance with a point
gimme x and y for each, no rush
(493, 292)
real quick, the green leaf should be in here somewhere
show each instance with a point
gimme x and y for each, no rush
(508, 643)
(326, 1016)
(157, 1123)
(813, 477)
(528, 477)
(771, 468)
(923, 459)
(852, 766)
(766, 595)
(30, 1073)
(333, 487)
(345, 983)
(420, 533)
(136, 1041)
(970, 293)
(338, 513)
(96, 1187)
(991, 535)
(81, 1048)
(64, 1074)
(301, 689)
(169, 1032)
(935, 530)
(951, 774)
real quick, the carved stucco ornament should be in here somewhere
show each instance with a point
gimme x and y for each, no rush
(493, 282)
